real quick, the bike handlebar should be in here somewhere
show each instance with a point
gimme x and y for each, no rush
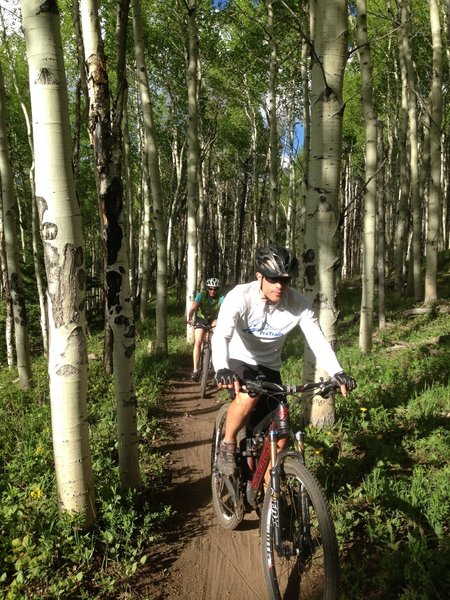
(323, 388)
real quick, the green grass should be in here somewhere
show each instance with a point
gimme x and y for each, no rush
(384, 466)
(44, 555)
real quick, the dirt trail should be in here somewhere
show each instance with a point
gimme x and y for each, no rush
(199, 560)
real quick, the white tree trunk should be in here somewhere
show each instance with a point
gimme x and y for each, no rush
(155, 181)
(321, 235)
(9, 206)
(9, 320)
(381, 226)
(370, 197)
(273, 127)
(415, 263)
(145, 237)
(105, 139)
(402, 206)
(432, 235)
(61, 231)
(35, 225)
(193, 159)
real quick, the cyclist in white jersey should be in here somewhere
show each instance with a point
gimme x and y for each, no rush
(251, 330)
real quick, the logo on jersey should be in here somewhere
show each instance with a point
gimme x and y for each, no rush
(262, 329)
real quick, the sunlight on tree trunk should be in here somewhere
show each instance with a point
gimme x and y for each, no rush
(321, 235)
(273, 127)
(60, 219)
(370, 194)
(193, 157)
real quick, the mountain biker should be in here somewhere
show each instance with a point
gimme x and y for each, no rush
(205, 306)
(251, 329)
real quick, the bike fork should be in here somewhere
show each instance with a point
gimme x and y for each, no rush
(275, 491)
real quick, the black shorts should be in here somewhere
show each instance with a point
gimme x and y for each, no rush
(265, 405)
(201, 323)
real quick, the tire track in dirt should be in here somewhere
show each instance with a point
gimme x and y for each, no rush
(198, 560)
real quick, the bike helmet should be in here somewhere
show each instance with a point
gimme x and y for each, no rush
(212, 282)
(276, 261)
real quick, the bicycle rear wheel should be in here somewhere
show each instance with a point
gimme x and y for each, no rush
(226, 492)
(205, 371)
(307, 566)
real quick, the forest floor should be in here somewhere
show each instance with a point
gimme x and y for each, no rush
(198, 560)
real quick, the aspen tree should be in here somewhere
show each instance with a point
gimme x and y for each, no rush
(61, 231)
(273, 126)
(370, 197)
(105, 135)
(434, 202)
(193, 154)
(9, 207)
(152, 154)
(322, 219)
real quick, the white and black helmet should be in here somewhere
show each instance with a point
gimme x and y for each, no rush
(212, 282)
(276, 261)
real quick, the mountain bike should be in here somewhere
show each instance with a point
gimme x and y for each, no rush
(205, 362)
(299, 549)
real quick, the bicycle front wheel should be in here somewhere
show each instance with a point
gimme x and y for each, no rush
(227, 497)
(205, 371)
(305, 565)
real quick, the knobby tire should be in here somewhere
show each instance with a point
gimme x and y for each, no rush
(227, 506)
(313, 573)
(205, 371)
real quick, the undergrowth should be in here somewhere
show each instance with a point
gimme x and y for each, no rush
(383, 465)
(45, 554)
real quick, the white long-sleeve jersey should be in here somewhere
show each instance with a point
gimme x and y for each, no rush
(252, 331)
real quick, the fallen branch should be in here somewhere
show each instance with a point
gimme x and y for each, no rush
(426, 310)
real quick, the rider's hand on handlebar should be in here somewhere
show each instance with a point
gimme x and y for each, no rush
(346, 382)
(227, 379)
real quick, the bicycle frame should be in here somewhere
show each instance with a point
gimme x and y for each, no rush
(271, 454)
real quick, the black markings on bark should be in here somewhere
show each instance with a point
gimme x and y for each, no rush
(309, 257)
(310, 274)
(20, 313)
(112, 202)
(49, 231)
(129, 350)
(325, 204)
(114, 285)
(49, 6)
(46, 77)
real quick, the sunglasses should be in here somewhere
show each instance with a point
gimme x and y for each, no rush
(212, 289)
(280, 280)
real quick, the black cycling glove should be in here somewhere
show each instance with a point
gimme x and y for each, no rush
(226, 376)
(344, 379)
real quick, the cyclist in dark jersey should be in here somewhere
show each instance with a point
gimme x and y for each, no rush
(205, 306)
